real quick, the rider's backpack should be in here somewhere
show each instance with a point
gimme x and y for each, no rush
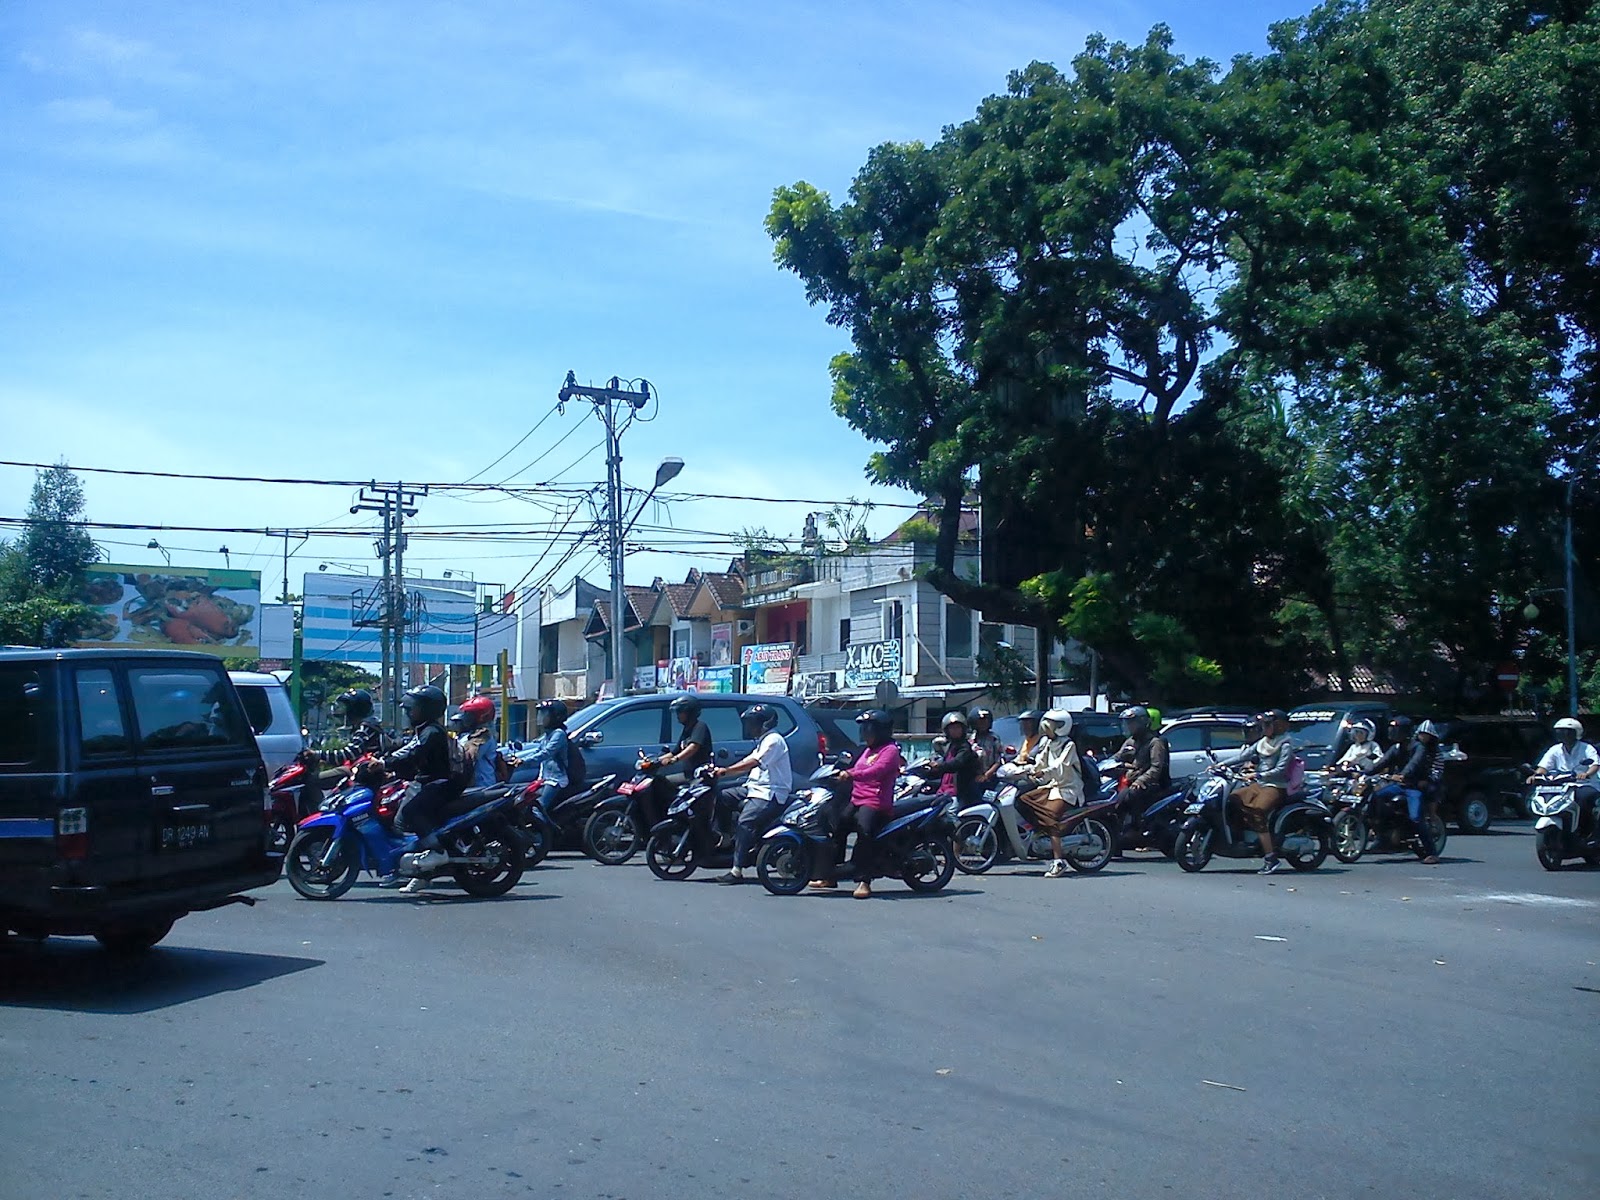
(460, 765)
(1090, 770)
(502, 768)
(1295, 782)
(577, 769)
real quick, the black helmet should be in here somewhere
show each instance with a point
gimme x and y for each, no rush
(758, 717)
(355, 706)
(423, 705)
(1400, 728)
(980, 714)
(1031, 714)
(686, 708)
(552, 714)
(876, 726)
(1135, 718)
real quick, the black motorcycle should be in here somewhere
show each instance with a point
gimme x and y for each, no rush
(1214, 825)
(1158, 826)
(621, 822)
(1364, 823)
(696, 832)
(916, 843)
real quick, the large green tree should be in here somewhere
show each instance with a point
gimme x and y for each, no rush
(41, 572)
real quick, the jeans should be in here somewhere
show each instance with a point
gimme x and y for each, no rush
(1415, 809)
(756, 813)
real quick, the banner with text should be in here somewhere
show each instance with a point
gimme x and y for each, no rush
(871, 663)
(767, 669)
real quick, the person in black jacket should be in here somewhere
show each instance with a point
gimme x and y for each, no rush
(425, 762)
(961, 766)
(1417, 780)
(691, 752)
(363, 732)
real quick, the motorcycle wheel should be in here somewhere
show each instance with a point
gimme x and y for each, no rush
(658, 857)
(1475, 816)
(1193, 849)
(1349, 836)
(1096, 860)
(931, 865)
(279, 836)
(1435, 827)
(1548, 848)
(494, 880)
(1310, 862)
(977, 846)
(784, 866)
(537, 842)
(611, 836)
(307, 872)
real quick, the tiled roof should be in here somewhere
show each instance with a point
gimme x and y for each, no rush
(679, 595)
(726, 587)
(643, 602)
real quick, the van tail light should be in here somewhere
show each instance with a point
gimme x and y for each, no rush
(72, 833)
(822, 744)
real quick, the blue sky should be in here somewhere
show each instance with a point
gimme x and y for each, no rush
(369, 239)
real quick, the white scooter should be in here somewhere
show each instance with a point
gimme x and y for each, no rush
(991, 830)
(1563, 828)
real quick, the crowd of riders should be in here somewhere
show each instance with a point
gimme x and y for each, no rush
(441, 757)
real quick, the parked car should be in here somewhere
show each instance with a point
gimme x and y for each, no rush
(131, 794)
(838, 725)
(1321, 729)
(271, 717)
(633, 724)
(1199, 741)
(1489, 781)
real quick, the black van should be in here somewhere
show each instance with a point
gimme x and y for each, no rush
(131, 793)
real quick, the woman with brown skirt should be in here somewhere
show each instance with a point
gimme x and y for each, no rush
(1056, 764)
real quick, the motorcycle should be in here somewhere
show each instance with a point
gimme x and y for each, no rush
(620, 823)
(294, 793)
(694, 833)
(995, 829)
(915, 844)
(1563, 827)
(560, 827)
(1213, 825)
(1361, 823)
(352, 833)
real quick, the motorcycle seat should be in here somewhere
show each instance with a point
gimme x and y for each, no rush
(904, 808)
(471, 799)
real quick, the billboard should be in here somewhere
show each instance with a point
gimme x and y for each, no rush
(722, 644)
(870, 663)
(676, 674)
(340, 616)
(717, 679)
(174, 608)
(767, 668)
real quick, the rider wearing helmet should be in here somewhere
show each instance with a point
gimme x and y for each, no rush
(958, 763)
(985, 744)
(550, 751)
(872, 778)
(1149, 774)
(691, 752)
(1418, 782)
(478, 741)
(1060, 772)
(1267, 785)
(1028, 722)
(1362, 752)
(363, 732)
(762, 797)
(1571, 755)
(425, 762)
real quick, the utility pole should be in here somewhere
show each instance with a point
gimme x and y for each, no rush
(605, 401)
(396, 501)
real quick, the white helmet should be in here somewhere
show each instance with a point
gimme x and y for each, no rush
(1056, 723)
(1431, 729)
(1365, 727)
(1571, 723)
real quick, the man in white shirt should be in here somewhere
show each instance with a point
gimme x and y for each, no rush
(1571, 755)
(763, 796)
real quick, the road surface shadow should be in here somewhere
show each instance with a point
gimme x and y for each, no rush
(453, 898)
(78, 975)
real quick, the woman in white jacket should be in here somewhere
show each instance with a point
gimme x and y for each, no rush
(1056, 764)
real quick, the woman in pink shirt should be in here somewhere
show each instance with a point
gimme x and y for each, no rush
(872, 780)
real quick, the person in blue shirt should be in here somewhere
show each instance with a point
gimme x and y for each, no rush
(479, 742)
(550, 751)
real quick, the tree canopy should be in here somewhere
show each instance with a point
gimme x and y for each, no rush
(1258, 370)
(41, 572)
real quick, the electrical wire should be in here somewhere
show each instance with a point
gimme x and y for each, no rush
(554, 408)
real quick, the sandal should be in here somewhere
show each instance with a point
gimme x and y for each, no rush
(863, 891)
(822, 885)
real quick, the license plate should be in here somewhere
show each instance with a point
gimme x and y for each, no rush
(184, 837)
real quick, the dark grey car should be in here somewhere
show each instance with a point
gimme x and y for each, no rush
(643, 724)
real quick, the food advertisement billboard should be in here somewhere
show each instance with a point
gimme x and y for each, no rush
(174, 608)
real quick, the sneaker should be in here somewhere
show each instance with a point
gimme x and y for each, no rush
(1271, 866)
(414, 887)
(731, 877)
(1058, 869)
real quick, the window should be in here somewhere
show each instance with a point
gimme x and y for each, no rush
(800, 637)
(257, 708)
(101, 728)
(957, 631)
(549, 649)
(844, 635)
(990, 636)
(638, 726)
(21, 716)
(184, 708)
(680, 643)
(723, 721)
(1230, 737)
(1185, 739)
(894, 621)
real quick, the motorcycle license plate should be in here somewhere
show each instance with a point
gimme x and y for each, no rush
(184, 837)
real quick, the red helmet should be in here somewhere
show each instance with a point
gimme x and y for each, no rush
(480, 709)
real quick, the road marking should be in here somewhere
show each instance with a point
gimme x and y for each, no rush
(1534, 898)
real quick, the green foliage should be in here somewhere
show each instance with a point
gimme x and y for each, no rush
(1010, 675)
(41, 572)
(919, 530)
(848, 524)
(321, 680)
(44, 621)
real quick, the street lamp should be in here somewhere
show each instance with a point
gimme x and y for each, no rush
(155, 545)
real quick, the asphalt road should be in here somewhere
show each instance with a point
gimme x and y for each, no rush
(1379, 1030)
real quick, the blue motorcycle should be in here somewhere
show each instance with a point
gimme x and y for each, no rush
(476, 831)
(916, 843)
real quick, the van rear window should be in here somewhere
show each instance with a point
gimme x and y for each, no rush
(183, 707)
(22, 714)
(257, 707)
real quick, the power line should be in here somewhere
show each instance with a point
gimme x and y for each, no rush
(554, 408)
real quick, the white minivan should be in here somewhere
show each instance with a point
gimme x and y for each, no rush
(266, 704)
